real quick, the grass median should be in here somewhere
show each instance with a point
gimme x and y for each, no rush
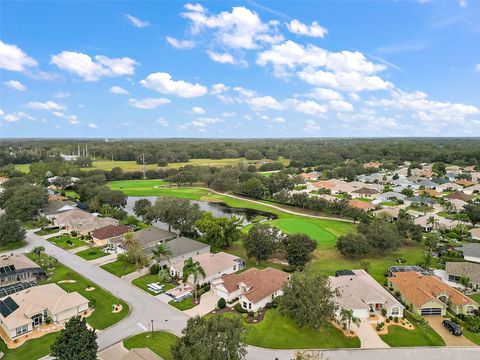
(160, 343)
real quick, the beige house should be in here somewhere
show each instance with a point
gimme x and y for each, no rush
(254, 288)
(214, 265)
(475, 233)
(107, 234)
(17, 268)
(20, 313)
(81, 221)
(428, 295)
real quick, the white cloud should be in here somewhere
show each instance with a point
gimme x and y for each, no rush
(91, 69)
(48, 105)
(278, 120)
(11, 117)
(198, 110)
(225, 58)
(148, 103)
(340, 105)
(239, 29)
(314, 30)
(2, 112)
(62, 95)
(463, 3)
(180, 44)
(228, 114)
(92, 126)
(264, 102)
(311, 125)
(136, 21)
(218, 89)
(15, 59)
(162, 122)
(72, 119)
(307, 107)
(119, 90)
(15, 85)
(477, 67)
(163, 83)
(324, 94)
(204, 121)
(15, 116)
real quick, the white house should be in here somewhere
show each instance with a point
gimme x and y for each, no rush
(470, 251)
(254, 288)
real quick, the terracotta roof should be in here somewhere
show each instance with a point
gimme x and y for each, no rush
(110, 231)
(363, 205)
(465, 182)
(312, 175)
(56, 197)
(419, 289)
(260, 283)
(372, 164)
(324, 184)
(459, 196)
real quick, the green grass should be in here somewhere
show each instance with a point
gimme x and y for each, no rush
(143, 281)
(44, 232)
(62, 241)
(183, 305)
(475, 297)
(13, 246)
(389, 203)
(399, 336)
(72, 194)
(119, 268)
(25, 168)
(102, 317)
(161, 342)
(92, 253)
(32, 349)
(276, 331)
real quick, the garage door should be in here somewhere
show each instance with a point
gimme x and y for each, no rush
(431, 311)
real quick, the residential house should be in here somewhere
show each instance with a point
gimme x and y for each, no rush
(310, 176)
(428, 295)
(148, 238)
(449, 186)
(438, 222)
(3, 180)
(465, 183)
(372, 165)
(57, 206)
(457, 204)
(389, 196)
(214, 265)
(425, 184)
(254, 288)
(81, 221)
(472, 190)
(363, 295)
(181, 248)
(108, 234)
(20, 313)
(459, 196)
(365, 193)
(362, 205)
(475, 233)
(390, 213)
(455, 270)
(17, 269)
(470, 251)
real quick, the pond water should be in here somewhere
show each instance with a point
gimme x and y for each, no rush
(216, 208)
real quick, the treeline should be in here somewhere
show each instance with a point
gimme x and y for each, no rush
(302, 152)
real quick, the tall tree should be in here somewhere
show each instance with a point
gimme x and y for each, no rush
(219, 231)
(347, 318)
(214, 338)
(161, 251)
(298, 248)
(25, 202)
(472, 211)
(262, 241)
(141, 207)
(76, 341)
(353, 245)
(381, 235)
(193, 269)
(10, 230)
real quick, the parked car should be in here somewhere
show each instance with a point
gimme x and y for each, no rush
(452, 327)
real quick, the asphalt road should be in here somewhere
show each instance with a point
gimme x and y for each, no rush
(145, 308)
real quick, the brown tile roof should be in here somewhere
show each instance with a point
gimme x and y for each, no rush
(109, 231)
(419, 289)
(365, 190)
(260, 283)
(363, 205)
(459, 196)
(372, 164)
(429, 192)
(56, 197)
(465, 182)
(324, 184)
(310, 176)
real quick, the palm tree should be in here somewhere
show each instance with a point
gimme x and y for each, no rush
(347, 317)
(432, 221)
(464, 281)
(194, 269)
(49, 262)
(38, 250)
(160, 251)
(129, 242)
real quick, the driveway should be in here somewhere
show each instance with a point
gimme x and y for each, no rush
(369, 338)
(450, 340)
(208, 301)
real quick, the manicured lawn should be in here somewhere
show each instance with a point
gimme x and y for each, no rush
(13, 246)
(25, 168)
(119, 268)
(398, 336)
(102, 317)
(92, 253)
(32, 349)
(278, 332)
(72, 194)
(143, 281)
(160, 343)
(44, 232)
(184, 304)
(67, 242)
(475, 297)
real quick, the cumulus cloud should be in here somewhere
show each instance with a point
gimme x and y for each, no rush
(218, 89)
(92, 69)
(225, 58)
(180, 44)
(48, 105)
(324, 94)
(204, 121)
(340, 105)
(307, 107)
(163, 83)
(15, 59)
(313, 30)
(162, 122)
(15, 116)
(198, 110)
(15, 85)
(136, 21)
(264, 102)
(477, 67)
(92, 126)
(148, 103)
(119, 90)
(62, 95)
(311, 125)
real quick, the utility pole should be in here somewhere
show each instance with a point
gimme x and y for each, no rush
(152, 328)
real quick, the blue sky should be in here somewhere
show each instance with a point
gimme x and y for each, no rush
(239, 69)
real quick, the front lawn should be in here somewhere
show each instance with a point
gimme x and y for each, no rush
(475, 297)
(92, 253)
(398, 336)
(143, 281)
(44, 232)
(160, 343)
(102, 300)
(32, 349)
(119, 268)
(67, 242)
(276, 331)
(184, 304)
(13, 245)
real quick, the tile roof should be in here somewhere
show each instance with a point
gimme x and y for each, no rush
(363, 205)
(459, 196)
(110, 231)
(471, 270)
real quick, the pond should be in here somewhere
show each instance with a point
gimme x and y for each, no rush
(217, 209)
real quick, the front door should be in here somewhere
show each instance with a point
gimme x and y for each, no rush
(37, 320)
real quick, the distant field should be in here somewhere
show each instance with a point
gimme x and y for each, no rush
(25, 168)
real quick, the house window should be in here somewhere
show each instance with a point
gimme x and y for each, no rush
(249, 305)
(22, 330)
(469, 309)
(234, 267)
(244, 305)
(395, 311)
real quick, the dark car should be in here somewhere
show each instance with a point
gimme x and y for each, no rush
(452, 327)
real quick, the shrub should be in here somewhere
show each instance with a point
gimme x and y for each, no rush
(74, 233)
(417, 317)
(387, 320)
(239, 308)
(390, 317)
(397, 294)
(221, 303)
(251, 313)
(395, 319)
(48, 320)
(154, 269)
(268, 305)
(244, 315)
(384, 312)
(255, 316)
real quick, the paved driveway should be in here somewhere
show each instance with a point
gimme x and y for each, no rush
(450, 340)
(369, 338)
(208, 301)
